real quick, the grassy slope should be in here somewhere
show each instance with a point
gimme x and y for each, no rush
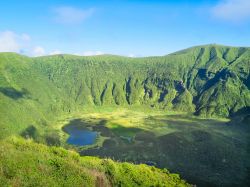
(26, 97)
(178, 81)
(25, 163)
(209, 80)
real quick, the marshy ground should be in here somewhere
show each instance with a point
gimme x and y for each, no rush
(207, 152)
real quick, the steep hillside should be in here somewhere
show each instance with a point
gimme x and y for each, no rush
(24, 163)
(190, 80)
(209, 80)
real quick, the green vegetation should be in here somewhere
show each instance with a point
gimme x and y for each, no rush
(25, 163)
(203, 151)
(209, 80)
(37, 96)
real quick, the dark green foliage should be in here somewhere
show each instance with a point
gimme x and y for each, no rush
(52, 138)
(30, 132)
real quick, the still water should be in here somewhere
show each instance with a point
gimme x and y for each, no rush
(78, 134)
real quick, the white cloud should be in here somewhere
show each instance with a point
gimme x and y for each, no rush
(232, 10)
(13, 42)
(9, 42)
(55, 52)
(38, 51)
(19, 43)
(131, 55)
(22, 43)
(92, 53)
(71, 15)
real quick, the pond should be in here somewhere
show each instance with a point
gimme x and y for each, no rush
(79, 134)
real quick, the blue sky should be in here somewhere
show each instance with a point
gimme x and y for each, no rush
(130, 28)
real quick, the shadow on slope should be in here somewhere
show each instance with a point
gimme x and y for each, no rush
(13, 93)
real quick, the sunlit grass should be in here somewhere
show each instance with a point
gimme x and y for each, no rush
(128, 121)
(182, 142)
